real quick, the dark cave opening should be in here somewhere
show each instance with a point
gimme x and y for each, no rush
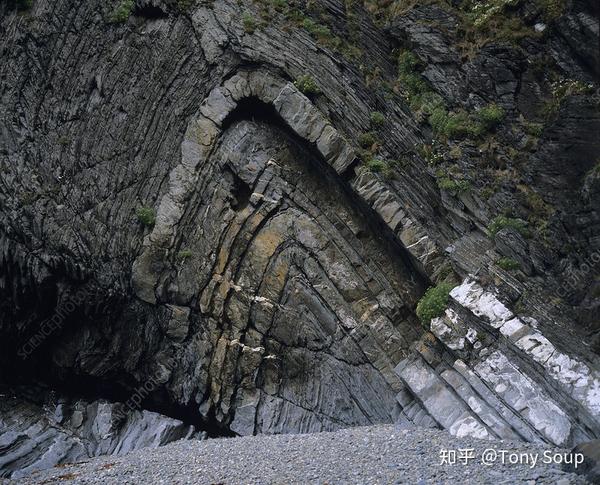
(28, 360)
(117, 385)
(150, 12)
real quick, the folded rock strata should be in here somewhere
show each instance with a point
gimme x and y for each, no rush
(276, 289)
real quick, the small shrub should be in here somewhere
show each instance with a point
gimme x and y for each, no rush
(408, 62)
(508, 264)
(183, 5)
(490, 116)
(377, 118)
(433, 303)
(454, 186)
(502, 222)
(279, 5)
(122, 12)
(317, 30)
(375, 164)
(563, 89)
(184, 254)
(533, 129)
(307, 85)
(384, 166)
(146, 216)
(367, 140)
(428, 102)
(460, 125)
(453, 125)
(411, 81)
(249, 23)
(552, 8)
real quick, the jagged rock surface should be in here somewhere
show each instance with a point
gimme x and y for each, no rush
(35, 437)
(276, 289)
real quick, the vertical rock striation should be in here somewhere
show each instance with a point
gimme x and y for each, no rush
(178, 217)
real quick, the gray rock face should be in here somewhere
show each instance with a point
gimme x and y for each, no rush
(272, 286)
(34, 437)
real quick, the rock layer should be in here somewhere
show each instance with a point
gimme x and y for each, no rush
(275, 290)
(35, 437)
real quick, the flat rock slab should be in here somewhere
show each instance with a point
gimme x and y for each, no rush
(377, 454)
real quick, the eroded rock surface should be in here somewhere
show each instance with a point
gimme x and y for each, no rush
(275, 289)
(34, 437)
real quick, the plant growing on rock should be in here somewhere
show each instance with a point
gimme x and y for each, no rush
(502, 222)
(384, 166)
(375, 164)
(453, 125)
(146, 216)
(318, 31)
(563, 89)
(122, 12)
(377, 118)
(508, 264)
(455, 187)
(249, 23)
(183, 5)
(411, 81)
(307, 85)
(433, 303)
(532, 128)
(184, 254)
(552, 8)
(367, 140)
(490, 116)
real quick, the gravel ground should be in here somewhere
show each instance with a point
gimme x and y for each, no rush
(369, 455)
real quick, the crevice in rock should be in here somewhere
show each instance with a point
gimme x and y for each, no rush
(150, 12)
(241, 191)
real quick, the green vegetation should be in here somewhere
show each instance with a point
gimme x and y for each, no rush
(538, 206)
(433, 303)
(432, 153)
(502, 222)
(307, 85)
(317, 30)
(461, 124)
(385, 166)
(249, 23)
(453, 186)
(490, 116)
(414, 87)
(312, 18)
(377, 118)
(453, 125)
(367, 140)
(122, 12)
(146, 216)
(184, 254)
(424, 100)
(508, 264)
(183, 5)
(562, 89)
(532, 128)
(552, 8)
(375, 164)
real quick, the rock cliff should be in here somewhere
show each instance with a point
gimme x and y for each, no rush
(223, 218)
